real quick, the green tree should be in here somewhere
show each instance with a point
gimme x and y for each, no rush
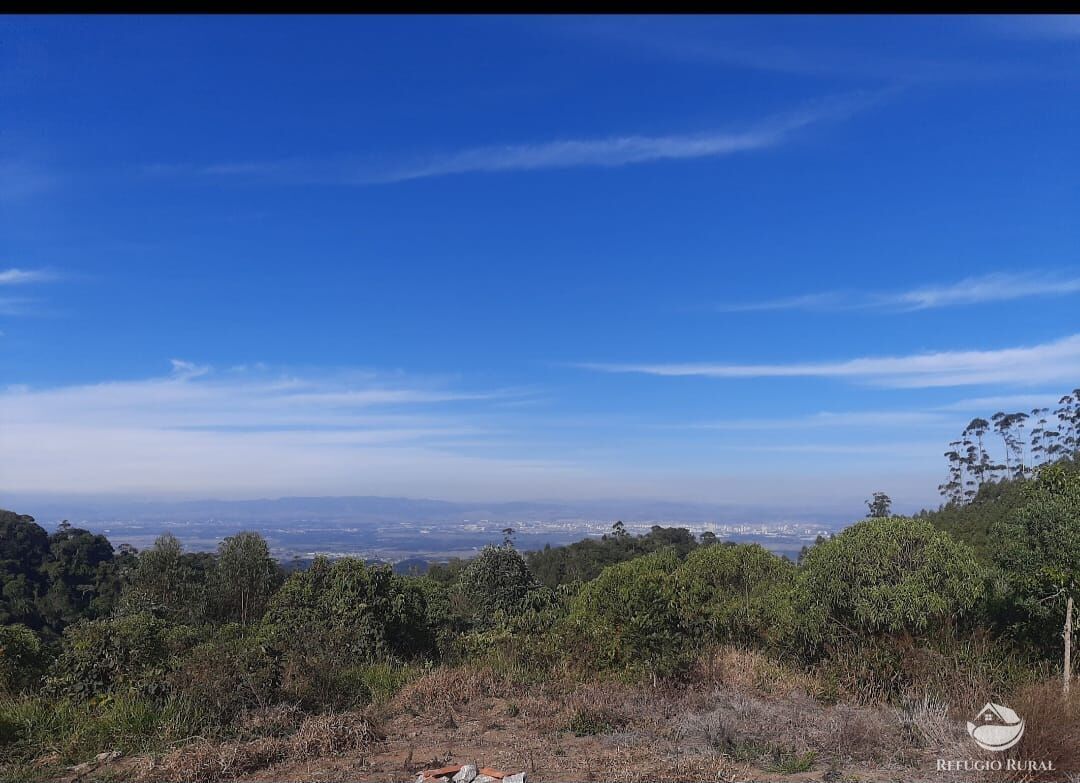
(348, 610)
(733, 593)
(880, 505)
(498, 582)
(1038, 548)
(22, 659)
(76, 567)
(244, 578)
(24, 547)
(584, 560)
(169, 582)
(890, 575)
(627, 617)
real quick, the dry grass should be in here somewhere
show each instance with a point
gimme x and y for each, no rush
(1051, 728)
(331, 734)
(207, 762)
(457, 685)
(929, 725)
(733, 667)
(317, 736)
(711, 767)
(749, 728)
(277, 721)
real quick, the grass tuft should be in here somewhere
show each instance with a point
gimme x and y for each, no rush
(788, 762)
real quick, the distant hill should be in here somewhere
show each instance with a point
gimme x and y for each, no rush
(376, 510)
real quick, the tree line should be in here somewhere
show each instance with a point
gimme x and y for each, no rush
(49, 581)
(1026, 441)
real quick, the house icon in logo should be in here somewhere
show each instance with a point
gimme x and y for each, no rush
(996, 727)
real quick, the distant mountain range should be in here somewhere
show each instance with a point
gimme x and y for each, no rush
(387, 510)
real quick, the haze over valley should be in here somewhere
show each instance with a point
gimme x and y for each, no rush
(399, 529)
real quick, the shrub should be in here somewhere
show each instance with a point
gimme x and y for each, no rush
(627, 618)
(318, 680)
(497, 583)
(881, 576)
(227, 674)
(527, 643)
(733, 593)
(98, 655)
(585, 722)
(347, 610)
(22, 659)
(316, 684)
(382, 681)
(1038, 549)
(790, 762)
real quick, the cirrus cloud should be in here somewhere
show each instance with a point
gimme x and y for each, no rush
(1057, 361)
(997, 287)
(251, 432)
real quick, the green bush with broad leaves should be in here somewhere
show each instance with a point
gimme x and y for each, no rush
(733, 593)
(884, 575)
(628, 618)
(99, 656)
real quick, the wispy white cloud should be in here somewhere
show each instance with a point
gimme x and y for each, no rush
(606, 152)
(1047, 27)
(829, 420)
(1057, 361)
(17, 305)
(195, 396)
(988, 288)
(14, 306)
(198, 431)
(746, 44)
(16, 276)
(1005, 402)
(245, 433)
(183, 369)
(20, 180)
(906, 450)
(998, 287)
(826, 300)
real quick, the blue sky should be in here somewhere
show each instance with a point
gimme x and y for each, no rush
(774, 262)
